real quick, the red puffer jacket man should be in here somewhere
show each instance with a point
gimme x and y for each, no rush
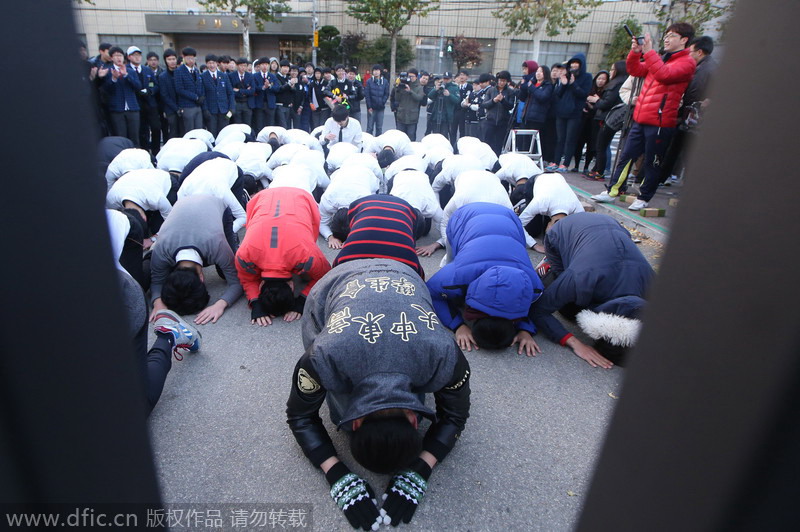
(656, 110)
(664, 85)
(280, 249)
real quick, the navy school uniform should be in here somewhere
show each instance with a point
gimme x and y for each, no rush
(122, 93)
(189, 87)
(247, 88)
(219, 93)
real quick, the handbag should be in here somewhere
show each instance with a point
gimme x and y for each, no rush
(615, 118)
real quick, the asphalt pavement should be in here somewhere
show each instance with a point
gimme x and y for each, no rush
(524, 461)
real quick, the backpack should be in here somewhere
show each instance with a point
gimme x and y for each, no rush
(615, 118)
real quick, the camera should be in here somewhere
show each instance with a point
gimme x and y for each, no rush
(639, 40)
(404, 80)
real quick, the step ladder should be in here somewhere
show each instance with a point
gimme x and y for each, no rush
(534, 150)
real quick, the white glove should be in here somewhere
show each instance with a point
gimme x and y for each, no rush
(474, 107)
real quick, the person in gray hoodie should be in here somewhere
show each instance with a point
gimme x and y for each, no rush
(374, 348)
(193, 238)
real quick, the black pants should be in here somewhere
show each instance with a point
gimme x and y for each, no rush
(282, 116)
(495, 135)
(537, 226)
(126, 124)
(131, 256)
(458, 127)
(473, 130)
(604, 138)
(157, 363)
(216, 122)
(408, 129)
(548, 137)
(174, 127)
(676, 153)
(259, 120)
(150, 129)
(243, 114)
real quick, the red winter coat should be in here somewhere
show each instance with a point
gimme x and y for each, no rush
(281, 240)
(664, 85)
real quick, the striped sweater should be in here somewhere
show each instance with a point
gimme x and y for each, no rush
(381, 227)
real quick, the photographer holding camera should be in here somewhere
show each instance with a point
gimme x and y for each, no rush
(444, 97)
(406, 98)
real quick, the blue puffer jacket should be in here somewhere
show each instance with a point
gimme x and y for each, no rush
(572, 96)
(491, 271)
(376, 93)
(537, 100)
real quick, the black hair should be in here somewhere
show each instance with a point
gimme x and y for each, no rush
(114, 49)
(138, 224)
(81, 44)
(493, 333)
(422, 225)
(704, 43)
(340, 113)
(352, 69)
(340, 224)
(284, 62)
(384, 444)
(276, 297)
(684, 29)
(504, 74)
(211, 57)
(310, 64)
(557, 65)
(413, 71)
(275, 144)
(386, 157)
(169, 52)
(240, 61)
(377, 67)
(184, 292)
(518, 194)
(189, 51)
(224, 59)
(545, 74)
(151, 54)
(337, 67)
(104, 46)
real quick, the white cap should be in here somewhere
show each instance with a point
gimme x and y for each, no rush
(132, 49)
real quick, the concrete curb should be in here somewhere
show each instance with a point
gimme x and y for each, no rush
(647, 227)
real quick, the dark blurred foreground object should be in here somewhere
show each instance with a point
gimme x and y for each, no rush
(706, 434)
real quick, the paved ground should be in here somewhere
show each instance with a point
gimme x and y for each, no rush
(524, 461)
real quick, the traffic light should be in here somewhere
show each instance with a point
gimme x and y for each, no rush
(449, 46)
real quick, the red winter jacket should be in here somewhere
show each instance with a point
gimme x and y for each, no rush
(664, 85)
(281, 240)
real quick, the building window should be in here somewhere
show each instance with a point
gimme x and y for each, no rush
(296, 51)
(427, 54)
(559, 52)
(146, 43)
(521, 51)
(427, 57)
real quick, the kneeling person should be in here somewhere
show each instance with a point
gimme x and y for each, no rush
(192, 237)
(490, 278)
(280, 249)
(374, 347)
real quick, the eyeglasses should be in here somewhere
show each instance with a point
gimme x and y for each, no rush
(672, 36)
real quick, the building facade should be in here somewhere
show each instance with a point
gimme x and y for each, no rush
(154, 25)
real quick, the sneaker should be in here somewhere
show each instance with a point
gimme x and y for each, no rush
(638, 204)
(551, 167)
(604, 197)
(561, 168)
(186, 336)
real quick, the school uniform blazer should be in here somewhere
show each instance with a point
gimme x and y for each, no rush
(122, 91)
(166, 92)
(247, 88)
(188, 89)
(219, 93)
